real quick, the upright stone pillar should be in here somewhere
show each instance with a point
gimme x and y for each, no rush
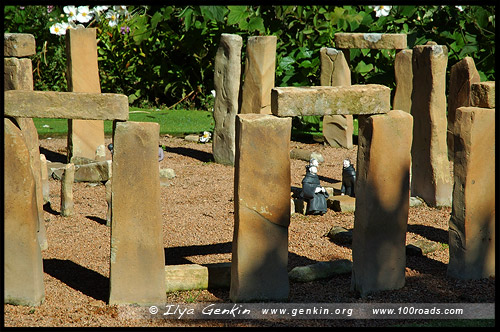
(431, 176)
(259, 75)
(45, 179)
(472, 221)
(462, 75)
(23, 267)
(18, 75)
(227, 89)
(337, 129)
(403, 74)
(67, 180)
(382, 202)
(262, 209)
(84, 136)
(137, 269)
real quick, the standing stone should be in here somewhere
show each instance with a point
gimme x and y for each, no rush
(68, 178)
(431, 178)
(462, 75)
(18, 45)
(23, 267)
(259, 75)
(483, 94)
(45, 179)
(337, 129)
(227, 88)
(84, 136)
(137, 269)
(18, 74)
(262, 184)
(382, 202)
(403, 74)
(108, 201)
(472, 221)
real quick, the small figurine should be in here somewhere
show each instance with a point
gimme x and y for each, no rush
(348, 179)
(312, 191)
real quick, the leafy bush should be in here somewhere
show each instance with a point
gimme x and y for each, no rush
(165, 55)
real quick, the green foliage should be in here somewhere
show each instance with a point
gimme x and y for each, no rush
(167, 55)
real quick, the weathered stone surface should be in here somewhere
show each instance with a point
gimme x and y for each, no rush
(45, 179)
(462, 75)
(340, 235)
(93, 172)
(320, 270)
(483, 94)
(227, 89)
(303, 154)
(185, 277)
(337, 129)
(67, 202)
(65, 105)
(23, 274)
(472, 221)
(382, 202)
(30, 134)
(371, 40)
(18, 45)
(137, 269)
(84, 136)
(259, 75)
(167, 173)
(431, 178)
(341, 203)
(18, 74)
(403, 74)
(108, 202)
(330, 100)
(219, 275)
(262, 208)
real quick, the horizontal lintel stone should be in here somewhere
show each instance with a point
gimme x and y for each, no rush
(330, 100)
(371, 40)
(65, 105)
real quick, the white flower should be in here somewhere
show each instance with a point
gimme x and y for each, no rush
(99, 9)
(71, 12)
(84, 15)
(381, 10)
(213, 93)
(113, 18)
(59, 29)
(460, 8)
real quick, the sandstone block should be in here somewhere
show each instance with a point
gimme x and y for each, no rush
(303, 154)
(382, 202)
(18, 45)
(137, 269)
(30, 134)
(45, 179)
(84, 136)
(18, 74)
(371, 40)
(431, 178)
(227, 89)
(219, 275)
(65, 105)
(341, 203)
(337, 129)
(259, 75)
(403, 74)
(330, 100)
(262, 208)
(483, 94)
(98, 171)
(320, 270)
(472, 221)
(23, 267)
(462, 75)
(67, 202)
(185, 277)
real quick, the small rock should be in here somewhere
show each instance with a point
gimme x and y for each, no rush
(320, 270)
(341, 203)
(167, 173)
(416, 201)
(340, 235)
(192, 138)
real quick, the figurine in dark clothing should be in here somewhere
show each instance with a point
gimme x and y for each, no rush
(348, 179)
(312, 191)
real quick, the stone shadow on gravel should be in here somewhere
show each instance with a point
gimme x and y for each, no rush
(177, 255)
(192, 153)
(430, 233)
(89, 282)
(53, 156)
(97, 220)
(48, 208)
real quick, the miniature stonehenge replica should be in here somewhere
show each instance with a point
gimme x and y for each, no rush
(257, 143)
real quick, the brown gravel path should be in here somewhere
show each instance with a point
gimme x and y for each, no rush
(197, 213)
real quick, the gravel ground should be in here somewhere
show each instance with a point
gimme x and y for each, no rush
(198, 213)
